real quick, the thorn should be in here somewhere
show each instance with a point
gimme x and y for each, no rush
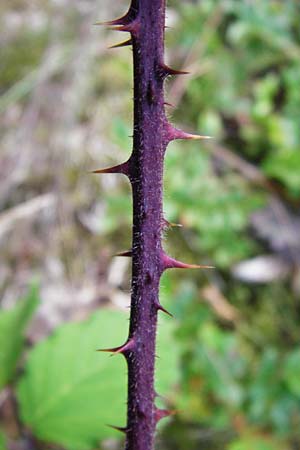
(120, 168)
(124, 20)
(127, 347)
(159, 307)
(168, 224)
(174, 133)
(121, 44)
(128, 253)
(169, 104)
(161, 413)
(111, 23)
(166, 71)
(171, 263)
(131, 26)
(121, 429)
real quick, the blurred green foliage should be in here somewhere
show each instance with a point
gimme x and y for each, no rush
(2, 441)
(20, 57)
(12, 325)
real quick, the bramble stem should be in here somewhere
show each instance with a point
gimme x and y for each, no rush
(146, 175)
(145, 21)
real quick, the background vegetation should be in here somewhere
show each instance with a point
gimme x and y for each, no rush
(230, 360)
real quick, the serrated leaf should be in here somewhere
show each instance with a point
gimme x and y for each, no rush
(70, 392)
(12, 325)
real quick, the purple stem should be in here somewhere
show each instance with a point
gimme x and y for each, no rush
(146, 175)
(145, 21)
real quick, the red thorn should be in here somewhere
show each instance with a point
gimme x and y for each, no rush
(174, 133)
(161, 413)
(159, 307)
(120, 168)
(124, 20)
(121, 44)
(128, 346)
(165, 71)
(112, 23)
(171, 263)
(121, 429)
(129, 27)
(128, 253)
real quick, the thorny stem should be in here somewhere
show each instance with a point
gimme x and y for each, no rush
(146, 173)
(145, 21)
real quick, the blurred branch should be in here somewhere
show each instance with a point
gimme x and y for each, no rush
(24, 211)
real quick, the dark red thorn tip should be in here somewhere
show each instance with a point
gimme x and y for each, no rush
(128, 254)
(121, 429)
(120, 168)
(173, 133)
(121, 44)
(171, 263)
(127, 347)
(161, 413)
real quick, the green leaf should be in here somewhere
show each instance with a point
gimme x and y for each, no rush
(12, 325)
(70, 392)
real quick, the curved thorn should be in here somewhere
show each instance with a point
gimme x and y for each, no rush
(108, 23)
(127, 347)
(124, 20)
(121, 44)
(171, 263)
(120, 168)
(166, 71)
(159, 307)
(121, 429)
(128, 254)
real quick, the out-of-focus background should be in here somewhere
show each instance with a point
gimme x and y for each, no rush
(230, 359)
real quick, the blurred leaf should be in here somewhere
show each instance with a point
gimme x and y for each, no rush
(291, 371)
(121, 133)
(19, 56)
(2, 441)
(12, 325)
(285, 166)
(263, 385)
(253, 443)
(70, 392)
